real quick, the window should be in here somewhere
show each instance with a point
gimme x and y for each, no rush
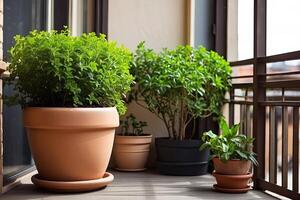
(283, 26)
(240, 29)
(20, 17)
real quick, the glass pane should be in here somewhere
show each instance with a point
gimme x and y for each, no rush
(20, 17)
(240, 29)
(82, 16)
(283, 67)
(283, 26)
(245, 70)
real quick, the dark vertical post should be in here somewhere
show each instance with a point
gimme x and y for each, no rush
(101, 14)
(296, 149)
(231, 107)
(61, 14)
(273, 145)
(39, 14)
(221, 27)
(259, 90)
(284, 155)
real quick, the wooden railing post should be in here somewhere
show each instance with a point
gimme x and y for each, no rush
(259, 92)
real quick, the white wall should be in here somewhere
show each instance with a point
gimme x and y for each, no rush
(161, 23)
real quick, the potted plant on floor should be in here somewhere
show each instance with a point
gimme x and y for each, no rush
(232, 158)
(71, 89)
(179, 86)
(132, 145)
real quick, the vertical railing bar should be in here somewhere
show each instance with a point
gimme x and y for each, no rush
(284, 155)
(242, 119)
(272, 146)
(296, 149)
(248, 126)
(231, 108)
(248, 120)
(248, 116)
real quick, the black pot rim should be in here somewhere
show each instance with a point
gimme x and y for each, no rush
(182, 163)
(167, 142)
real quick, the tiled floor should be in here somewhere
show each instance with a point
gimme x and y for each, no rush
(139, 186)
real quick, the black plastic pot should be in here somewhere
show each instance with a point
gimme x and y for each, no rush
(181, 158)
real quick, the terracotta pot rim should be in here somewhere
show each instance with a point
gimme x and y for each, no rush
(68, 108)
(70, 118)
(232, 160)
(240, 176)
(135, 136)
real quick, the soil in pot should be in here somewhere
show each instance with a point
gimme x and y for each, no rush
(184, 158)
(71, 144)
(232, 167)
(232, 181)
(131, 153)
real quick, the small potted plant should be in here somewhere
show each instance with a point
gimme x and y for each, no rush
(179, 86)
(232, 157)
(71, 89)
(131, 146)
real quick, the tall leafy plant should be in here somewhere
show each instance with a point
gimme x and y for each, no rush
(54, 69)
(180, 85)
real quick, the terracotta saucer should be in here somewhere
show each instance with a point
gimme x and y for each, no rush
(227, 190)
(73, 186)
(130, 170)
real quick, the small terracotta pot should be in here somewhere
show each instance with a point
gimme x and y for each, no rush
(71, 144)
(131, 153)
(233, 181)
(232, 167)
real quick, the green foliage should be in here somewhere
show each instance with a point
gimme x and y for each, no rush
(130, 126)
(54, 69)
(179, 85)
(229, 145)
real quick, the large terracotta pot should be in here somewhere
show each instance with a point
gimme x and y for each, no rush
(233, 181)
(232, 167)
(131, 153)
(71, 144)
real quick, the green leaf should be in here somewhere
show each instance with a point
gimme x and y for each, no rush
(224, 127)
(224, 148)
(234, 129)
(242, 155)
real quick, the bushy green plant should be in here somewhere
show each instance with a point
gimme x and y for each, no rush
(54, 69)
(130, 126)
(229, 145)
(179, 85)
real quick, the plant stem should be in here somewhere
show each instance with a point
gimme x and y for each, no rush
(163, 118)
(167, 125)
(181, 121)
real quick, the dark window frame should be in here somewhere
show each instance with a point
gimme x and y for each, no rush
(61, 15)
